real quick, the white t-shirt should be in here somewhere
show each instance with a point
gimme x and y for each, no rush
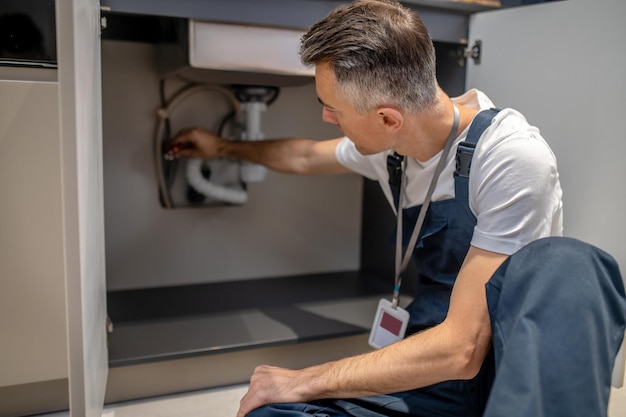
(514, 189)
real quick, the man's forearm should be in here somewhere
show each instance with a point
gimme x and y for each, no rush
(294, 156)
(283, 155)
(418, 361)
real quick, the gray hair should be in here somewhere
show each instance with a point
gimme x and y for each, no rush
(380, 53)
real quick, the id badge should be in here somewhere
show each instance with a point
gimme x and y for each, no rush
(389, 325)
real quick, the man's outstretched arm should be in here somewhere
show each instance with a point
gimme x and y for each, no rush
(295, 156)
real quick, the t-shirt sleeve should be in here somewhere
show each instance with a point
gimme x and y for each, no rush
(515, 194)
(351, 158)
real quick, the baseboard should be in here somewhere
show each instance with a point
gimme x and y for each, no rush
(34, 398)
(202, 372)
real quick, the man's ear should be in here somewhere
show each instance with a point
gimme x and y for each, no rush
(391, 118)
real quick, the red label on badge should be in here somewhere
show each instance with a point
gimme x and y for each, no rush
(390, 323)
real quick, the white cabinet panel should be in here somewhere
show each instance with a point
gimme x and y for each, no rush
(78, 41)
(561, 65)
(32, 290)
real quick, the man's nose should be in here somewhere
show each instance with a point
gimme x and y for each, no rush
(328, 116)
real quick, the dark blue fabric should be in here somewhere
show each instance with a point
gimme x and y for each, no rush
(394, 169)
(558, 313)
(443, 242)
(438, 255)
(465, 151)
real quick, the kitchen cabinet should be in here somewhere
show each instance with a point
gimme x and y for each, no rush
(52, 252)
(565, 79)
(188, 288)
(32, 284)
(447, 20)
(458, 33)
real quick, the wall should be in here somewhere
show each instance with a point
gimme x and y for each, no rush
(291, 224)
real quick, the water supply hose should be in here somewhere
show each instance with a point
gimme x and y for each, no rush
(194, 167)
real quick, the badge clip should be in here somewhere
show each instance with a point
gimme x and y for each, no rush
(389, 326)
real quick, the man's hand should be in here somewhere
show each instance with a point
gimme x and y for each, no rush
(269, 385)
(195, 143)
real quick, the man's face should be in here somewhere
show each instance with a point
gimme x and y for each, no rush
(365, 130)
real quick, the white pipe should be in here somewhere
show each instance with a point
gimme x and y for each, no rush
(252, 111)
(209, 189)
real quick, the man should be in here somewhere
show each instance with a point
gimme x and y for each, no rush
(375, 78)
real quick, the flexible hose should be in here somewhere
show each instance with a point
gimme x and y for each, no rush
(163, 115)
(219, 192)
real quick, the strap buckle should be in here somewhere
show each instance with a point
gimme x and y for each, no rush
(464, 154)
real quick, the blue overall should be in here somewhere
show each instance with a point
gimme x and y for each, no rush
(439, 253)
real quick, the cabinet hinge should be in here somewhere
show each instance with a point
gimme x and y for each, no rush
(472, 52)
(109, 325)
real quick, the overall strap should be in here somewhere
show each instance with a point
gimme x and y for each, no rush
(465, 151)
(394, 169)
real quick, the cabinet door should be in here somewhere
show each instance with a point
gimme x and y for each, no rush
(562, 65)
(78, 42)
